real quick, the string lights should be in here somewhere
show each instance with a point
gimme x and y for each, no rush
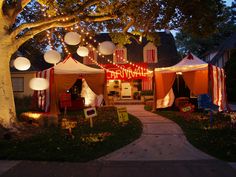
(64, 45)
(49, 39)
(144, 71)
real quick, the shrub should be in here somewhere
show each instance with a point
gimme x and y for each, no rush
(147, 92)
(24, 104)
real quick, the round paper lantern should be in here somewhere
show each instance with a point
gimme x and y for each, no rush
(106, 48)
(39, 84)
(72, 38)
(52, 56)
(82, 51)
(22, 63)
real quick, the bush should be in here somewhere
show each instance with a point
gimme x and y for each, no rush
(85, 143)
(24, 104)
(147, 92)
(137, 95)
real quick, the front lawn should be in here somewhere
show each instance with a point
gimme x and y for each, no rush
(55, 144)
(218, 140)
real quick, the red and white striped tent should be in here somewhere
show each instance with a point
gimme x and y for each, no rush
(199, 76)
(62, 76)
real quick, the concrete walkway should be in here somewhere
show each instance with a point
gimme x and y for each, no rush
(162, 139)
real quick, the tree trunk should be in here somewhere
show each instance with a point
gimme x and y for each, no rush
(7, 105)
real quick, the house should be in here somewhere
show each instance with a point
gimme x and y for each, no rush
(130, 64)
(222, 54)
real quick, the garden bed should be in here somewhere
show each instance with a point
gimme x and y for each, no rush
(85, 143)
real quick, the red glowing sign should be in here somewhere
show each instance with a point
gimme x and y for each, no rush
(126, 71)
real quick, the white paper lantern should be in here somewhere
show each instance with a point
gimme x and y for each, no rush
(72, 38)
(52, 56)
(39, 84)
(83, 51)
(22, 63)
(106, 48)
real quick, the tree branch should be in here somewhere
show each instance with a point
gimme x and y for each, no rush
(1, 9)
(4, 22)
(89, 3)
(1, 4)
(11, 13)
(39, 23)
(30, 34)
(135, 37)
(24, 3)
(132, 21)
(99, 18)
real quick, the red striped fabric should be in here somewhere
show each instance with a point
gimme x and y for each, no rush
(150, 56)
(217, 79)
(44, 96)
(87, 60)
(167, 101)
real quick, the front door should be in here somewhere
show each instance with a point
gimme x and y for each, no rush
(126, 90)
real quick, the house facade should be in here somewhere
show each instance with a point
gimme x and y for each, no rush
(128, 70)
(222, 54)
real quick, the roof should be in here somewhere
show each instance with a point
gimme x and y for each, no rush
(167, 52)
(228, 44)
(72, 66)
(188, 63)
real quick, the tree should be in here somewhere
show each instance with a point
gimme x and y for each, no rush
(18, 25)
(199, 45)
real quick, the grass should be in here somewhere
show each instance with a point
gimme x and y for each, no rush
(218, 140)
(55, 144)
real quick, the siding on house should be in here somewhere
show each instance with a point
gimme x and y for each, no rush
(220, 56)
(18, 90)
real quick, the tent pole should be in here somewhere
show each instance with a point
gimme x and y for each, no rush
(105, 88)
(53, 104)
(154, 91)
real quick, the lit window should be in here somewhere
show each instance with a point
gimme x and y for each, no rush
(18, 84)
(120, 55)
(150, 53)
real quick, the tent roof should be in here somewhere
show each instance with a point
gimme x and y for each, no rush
(189, 63)
(72, 66)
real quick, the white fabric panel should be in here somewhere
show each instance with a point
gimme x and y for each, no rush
(188, 63)
(71, 66)
(167, 101)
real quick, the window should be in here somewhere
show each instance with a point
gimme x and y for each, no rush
(150, 53)
(120, 55)
(91, 56)
(18, 84)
